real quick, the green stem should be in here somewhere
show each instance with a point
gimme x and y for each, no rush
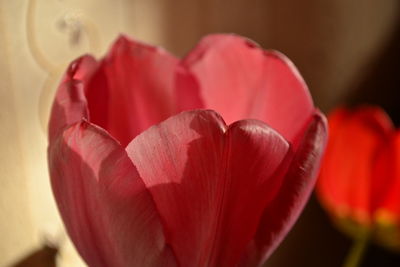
(355, 256)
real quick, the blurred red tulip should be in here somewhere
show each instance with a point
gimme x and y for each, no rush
(359, 182)
(191, 190)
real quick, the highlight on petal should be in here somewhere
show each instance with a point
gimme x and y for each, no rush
(133, 89)
(81, 69)
(239, 80)
(107, 210)
(210, 182)
(70, 104)
(347, 170)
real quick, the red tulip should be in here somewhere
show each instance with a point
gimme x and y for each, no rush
(191, 190)
(359, 182)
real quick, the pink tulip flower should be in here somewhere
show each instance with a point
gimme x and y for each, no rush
(138, 182)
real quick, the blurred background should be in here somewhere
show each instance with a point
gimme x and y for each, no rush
(347, 51)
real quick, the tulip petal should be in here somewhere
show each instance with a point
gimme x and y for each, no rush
(347, 173)
(133, 89)
(233, 76)
(70, 104)
(281, 213)
(107, 210)
(210, 182)
(386, 182)
(81, 69)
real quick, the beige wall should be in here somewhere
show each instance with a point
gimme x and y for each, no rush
(37, 40)
(330, 41)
